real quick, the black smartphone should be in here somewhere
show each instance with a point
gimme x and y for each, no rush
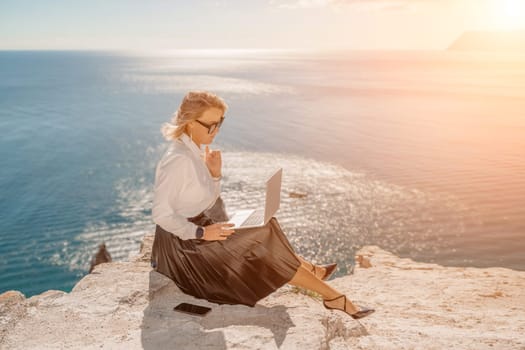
(192, 309)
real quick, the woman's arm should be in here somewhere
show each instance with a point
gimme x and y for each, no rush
(180, 192)
(176, 224)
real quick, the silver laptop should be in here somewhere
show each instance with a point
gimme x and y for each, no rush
(259, 217)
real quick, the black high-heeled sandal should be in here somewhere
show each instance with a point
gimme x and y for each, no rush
(363, 312)
(330, 269)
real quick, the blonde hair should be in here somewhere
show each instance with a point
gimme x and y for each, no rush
(193, 105)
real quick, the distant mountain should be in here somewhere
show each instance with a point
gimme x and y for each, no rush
(490, 41)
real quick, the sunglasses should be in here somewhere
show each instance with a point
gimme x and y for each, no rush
(211, 127)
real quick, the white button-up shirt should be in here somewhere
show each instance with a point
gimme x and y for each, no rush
(183, 188)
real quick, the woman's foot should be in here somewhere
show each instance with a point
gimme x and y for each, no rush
(323, 271)
(341, 303)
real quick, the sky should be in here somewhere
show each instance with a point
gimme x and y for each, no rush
(245, 24)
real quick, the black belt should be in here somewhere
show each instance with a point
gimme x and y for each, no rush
(201, 220)
(198, 217)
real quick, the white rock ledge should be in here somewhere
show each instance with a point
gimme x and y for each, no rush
(127, 305)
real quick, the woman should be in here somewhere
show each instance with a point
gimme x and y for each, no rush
(196, 247)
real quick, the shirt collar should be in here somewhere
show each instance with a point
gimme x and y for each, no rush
(191, 145)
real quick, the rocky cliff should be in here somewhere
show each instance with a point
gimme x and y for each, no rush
(505, 41)
(127, 305)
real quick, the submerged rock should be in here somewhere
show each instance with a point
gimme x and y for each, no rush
(102, 256)
(297, 194)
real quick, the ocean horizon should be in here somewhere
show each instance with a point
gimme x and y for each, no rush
(418, 152)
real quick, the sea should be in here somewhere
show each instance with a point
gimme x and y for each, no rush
(421, 153)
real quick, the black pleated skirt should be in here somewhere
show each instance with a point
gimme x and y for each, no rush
(243, 269)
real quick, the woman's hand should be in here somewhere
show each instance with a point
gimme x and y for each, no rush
(218, 231)
(213, 161)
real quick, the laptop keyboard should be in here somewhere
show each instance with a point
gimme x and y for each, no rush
(257, 217)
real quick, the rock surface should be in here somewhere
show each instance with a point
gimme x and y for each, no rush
(127, 305)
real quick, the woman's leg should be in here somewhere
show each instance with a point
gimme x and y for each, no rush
(309, 266)
(305, 279)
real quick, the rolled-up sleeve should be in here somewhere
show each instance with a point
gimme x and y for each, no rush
(215, 188)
